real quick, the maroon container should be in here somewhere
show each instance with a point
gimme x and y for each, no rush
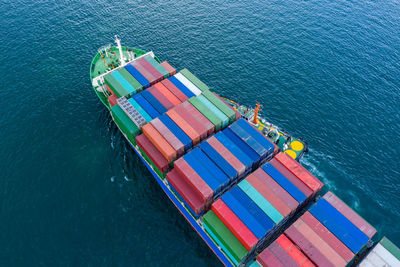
(327, 236)
(185, 191)
(269, 195)
(307, 247)
(169, 136)
(267, 259)
(160, 97)
(276, 188)
(197, 126)
(142, 61)
(152, 152)
(199, 116)
(350, 214)
(282, 255)
(292, 178)
(173, 89)
(144, 72)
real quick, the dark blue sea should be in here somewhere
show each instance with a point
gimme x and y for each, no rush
(72, 192)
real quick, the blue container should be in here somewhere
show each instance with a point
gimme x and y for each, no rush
(146, 106)
(202, 172)
(142, 112)
(154, 102)
(284, 182)
(253, 209)
(336, 228)
(256, 135)
(242, 145)
(234, 149)
(137, 75)
(243, 214)
(219, 160)
(181, 87)
(213, 169)
(242, 134)
(128, 87)
(178, 132)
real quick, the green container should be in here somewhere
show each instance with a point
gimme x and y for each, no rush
(157, 66)
(114, 85)
(138, 87)
(215, 110)
(127, 126)
(261, 202)
(196, 81)
(386, 243)
(224, 236)
(220, 105)
(206, 112)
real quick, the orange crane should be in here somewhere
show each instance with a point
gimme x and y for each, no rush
(256, 110)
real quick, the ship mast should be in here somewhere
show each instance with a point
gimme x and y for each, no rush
(256, 110)
(121, 56)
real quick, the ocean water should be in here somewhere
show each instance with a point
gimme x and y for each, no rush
(73, 193)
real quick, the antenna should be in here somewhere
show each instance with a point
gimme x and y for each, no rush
(121, 56)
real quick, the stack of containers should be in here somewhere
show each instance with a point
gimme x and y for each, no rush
(329, 234)
(385, 253)
(168, 67)
(259, 205)
(204, 173)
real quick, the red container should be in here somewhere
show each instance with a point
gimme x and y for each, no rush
(269, 195)
(169, 136)
(308, 248)
(305, 176)
(197, 126)
(193, 135)
(327, 236)
(234, 224)
(267, 259)
(194, 180)
(237, 114)
(282, 255)
(294, 252)
(227, 155)
(320, 244)
(112, 99)
(168, 67)
(160, 97)
(173, 89)
(292, 178)
(159, 142)
(276, 188)
(142, 61)
(152, 152)
(167, 93)
(144, 72)
(200, 117)
(185, 191)
(350, 214)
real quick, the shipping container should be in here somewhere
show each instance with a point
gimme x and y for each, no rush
(199, 117)
(157, 66)
(127, 126)
(350, 214)
(243, 146)
(110, 90)
(171, 125)
(156, 74)
(234, 224)
(137, 75)
(115, 86)
(145, 73)
(191, 120)
(141, 111)
(381, 256)
(146, 106)
(122, 81)
(154, 102)
(160, 97)
(135, 83)
(167, 93)
(152, 152)
(175, 90)
(159, 142)
(193, 79)
(234, 149)
(224, 119)
(282, 255)
(112, 99)
(194, 136)
(237, 114)
(267, 259)
(196, 91)
(181, 86)
(168, 67)
(293, 251)
(387, 244)
(169, 136)
(220, 105)
(203, 109)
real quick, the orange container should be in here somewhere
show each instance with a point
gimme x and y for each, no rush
(193, 135)
(159, 142)
(167, 93)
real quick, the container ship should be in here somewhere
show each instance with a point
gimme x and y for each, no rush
(235, 177)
